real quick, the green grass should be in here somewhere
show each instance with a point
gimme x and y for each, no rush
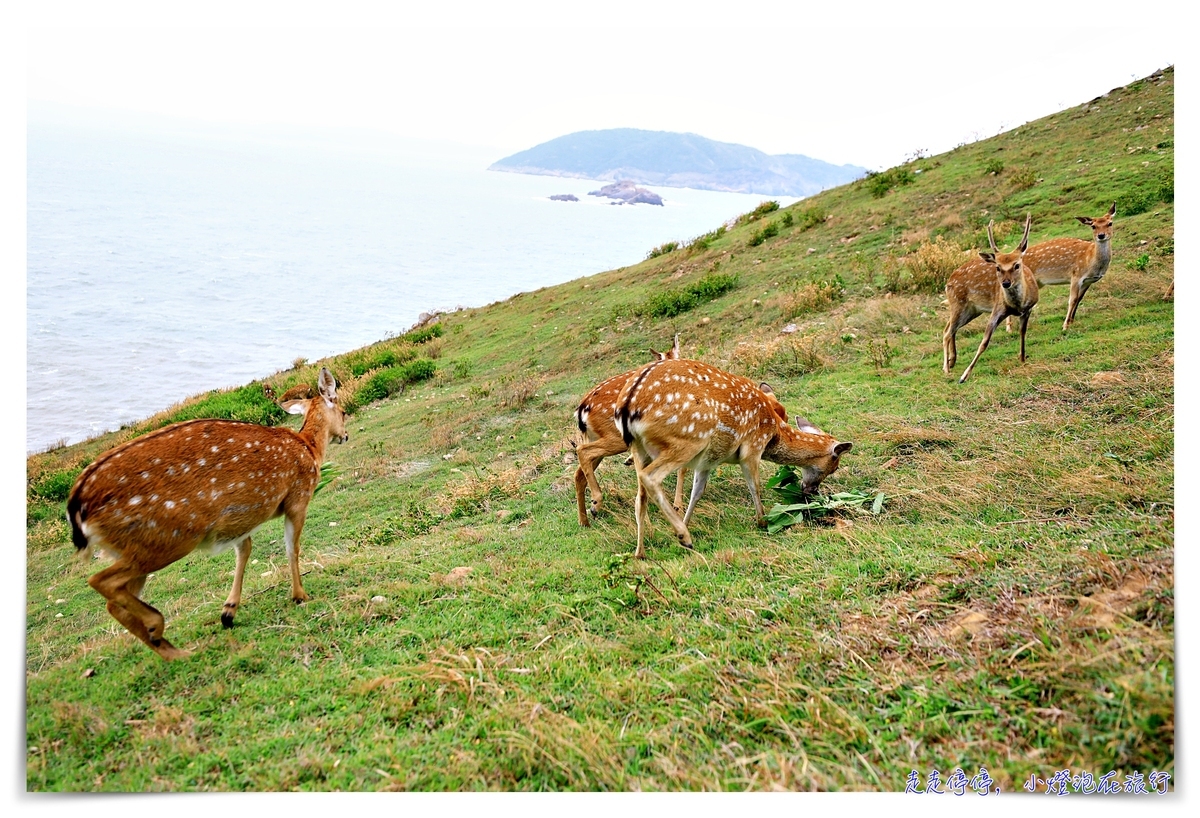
(1010, 607)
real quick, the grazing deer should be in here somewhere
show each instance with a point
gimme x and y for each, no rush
(677, 414)
(1074, 261)
(595, 417)
(1002, 285)
(199, 485)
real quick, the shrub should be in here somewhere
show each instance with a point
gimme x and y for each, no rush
(56, 485)
(784, 357)
(701, 243)
(1141, 262)
(931, 264)
(757, 213)
(1023, 179)
(389, 381)
(811, 217)
(379, 386)
(880, 183)
(423, 334)
(768, 231)
(249, 403)
(813, 295)
(993, 166)
(380, 359)
(419, 370)
(670, 303)
(663, 249)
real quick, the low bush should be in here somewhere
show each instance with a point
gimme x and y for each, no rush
(769, 231)
(249, 403)
(879, 183)
(423, 334)
(670, 303)
(663, 249)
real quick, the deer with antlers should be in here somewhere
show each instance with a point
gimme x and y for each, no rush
(998, 284)
(686, 414)
(199, 485)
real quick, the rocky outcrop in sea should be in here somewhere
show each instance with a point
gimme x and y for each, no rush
(627, 192)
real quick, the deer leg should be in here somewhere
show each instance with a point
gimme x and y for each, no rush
(1024, 325)
(699, 482)
(242, 550)
(987, 338)
(590, 454)
(293, 524)
(120, 584)
(1084, 286)
(639, 507)
(949, 351)
(651, 477)
(1077, 291)
(754, 483)
(679, 491)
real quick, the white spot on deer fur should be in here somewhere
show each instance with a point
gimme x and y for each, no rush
(169, 504)
(133, 501)
(201, 462)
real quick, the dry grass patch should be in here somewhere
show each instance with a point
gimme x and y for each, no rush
(785, 356)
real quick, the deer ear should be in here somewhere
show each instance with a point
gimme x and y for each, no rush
(1084, 220)
(295, 407)
(1112, 211)
(990, 258)
(327, 385)
(765, 388)
(841, 448)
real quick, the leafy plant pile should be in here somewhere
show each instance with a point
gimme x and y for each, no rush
(788, 485)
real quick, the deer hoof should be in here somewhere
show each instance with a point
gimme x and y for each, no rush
(227, 616)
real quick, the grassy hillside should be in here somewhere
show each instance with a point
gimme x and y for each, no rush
(1011, 608)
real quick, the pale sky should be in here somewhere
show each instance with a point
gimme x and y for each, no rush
(855, 85)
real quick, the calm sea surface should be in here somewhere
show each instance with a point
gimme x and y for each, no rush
(163, 264)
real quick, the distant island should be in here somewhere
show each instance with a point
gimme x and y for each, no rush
(677, 160)
(626, 192)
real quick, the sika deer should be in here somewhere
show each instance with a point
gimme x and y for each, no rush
(596, 417)
(677, 414)
(1000, 286)
(602, 438)
(199, 485)
(1074, 261)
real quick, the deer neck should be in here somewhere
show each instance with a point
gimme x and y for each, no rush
(791, 447)
(314, 433)
(1101, 255)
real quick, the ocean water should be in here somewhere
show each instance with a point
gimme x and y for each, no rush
(164, 262)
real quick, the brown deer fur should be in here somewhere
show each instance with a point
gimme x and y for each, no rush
(677, 414)
(1074, 261)
(198, 485)
(999, 286)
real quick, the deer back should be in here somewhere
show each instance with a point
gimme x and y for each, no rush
(672, 405)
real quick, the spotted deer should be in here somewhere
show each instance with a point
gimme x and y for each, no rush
(199, 485)
(677, 414)
(596, 420)
(1074, 261)
(1000, 286)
